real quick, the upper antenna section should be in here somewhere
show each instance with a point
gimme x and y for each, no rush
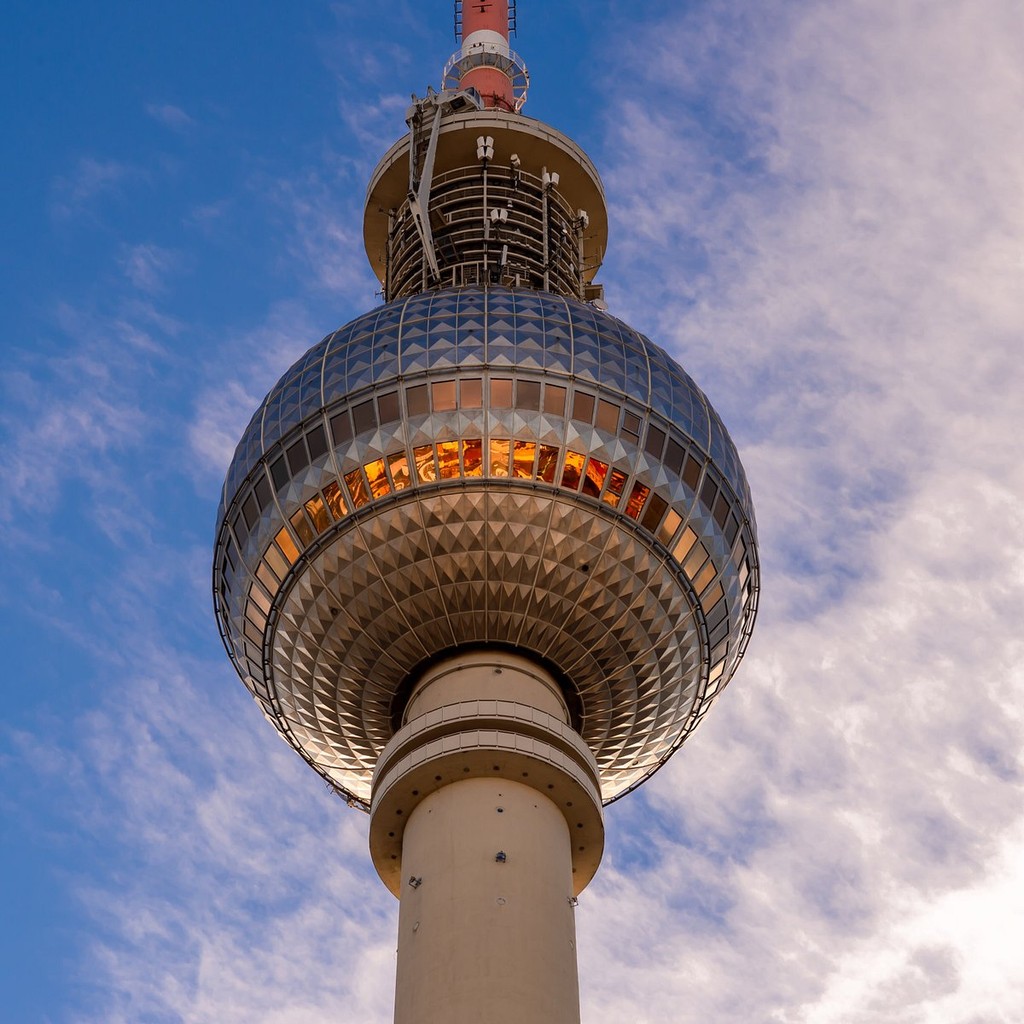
(485, 62)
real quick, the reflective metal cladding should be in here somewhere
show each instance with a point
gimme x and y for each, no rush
(485, 465)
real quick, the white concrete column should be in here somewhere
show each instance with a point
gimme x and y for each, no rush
(486, 823)
(486, 930)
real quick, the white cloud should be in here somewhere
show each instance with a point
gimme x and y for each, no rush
(169, 115)
(828, 844)
(147, 266)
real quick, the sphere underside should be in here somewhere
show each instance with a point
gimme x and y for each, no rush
(485, 466)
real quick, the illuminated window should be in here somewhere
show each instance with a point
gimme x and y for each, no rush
(426, 471)
(318, 513)
(593, 479)
(471, 393)
(500, 457)
(287, 545)
(547, 464)
(301, 526)
(616, 484)
(332, 492)
(668, 528)
(377, 475)
(399, 465)
(637, 497)
(572, 470)
(473, 456)
(357, 488)
(448, 459)
(523, 455)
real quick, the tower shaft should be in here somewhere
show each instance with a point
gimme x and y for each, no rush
(487, 822)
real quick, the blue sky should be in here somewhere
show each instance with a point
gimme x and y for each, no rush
(816, 208)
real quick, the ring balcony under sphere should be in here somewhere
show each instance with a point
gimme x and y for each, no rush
(485, 466)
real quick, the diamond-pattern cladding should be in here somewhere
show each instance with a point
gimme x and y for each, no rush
(506, 568)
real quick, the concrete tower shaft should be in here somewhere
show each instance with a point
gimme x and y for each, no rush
(486, 822)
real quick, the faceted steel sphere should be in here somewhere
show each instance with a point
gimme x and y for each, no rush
(485, 466)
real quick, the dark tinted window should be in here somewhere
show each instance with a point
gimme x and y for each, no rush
(583, 407)
(298, 460)
(528, 395)
(279, 471)
(317, 442)
(364, 416)
(417, 401)
(655, 441)
(387, 405)
(262, 491)
(341, 427)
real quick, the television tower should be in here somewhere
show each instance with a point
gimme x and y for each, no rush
(485, 555)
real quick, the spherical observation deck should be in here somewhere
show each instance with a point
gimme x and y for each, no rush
(485, 466)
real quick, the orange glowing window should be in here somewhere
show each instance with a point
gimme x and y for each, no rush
(287, 545)
(593, 479)
(686, 542)
(523, 455)
(572, 470)
(399, 466)
(259, 598)
(473, 456)
(335, 502)
(616, 484)
(668, 528)
(357, 488)
(426, 471)
(378, 478)
(500, 457)
(547, 464)
(318, 513)
(301, 526)
(448, 459)
(637, 497)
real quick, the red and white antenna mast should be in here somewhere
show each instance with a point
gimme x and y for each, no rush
(485, 62)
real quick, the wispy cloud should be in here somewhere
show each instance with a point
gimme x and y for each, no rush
(147, 266)
(90, 179)
(842, 287)
(170, 116)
